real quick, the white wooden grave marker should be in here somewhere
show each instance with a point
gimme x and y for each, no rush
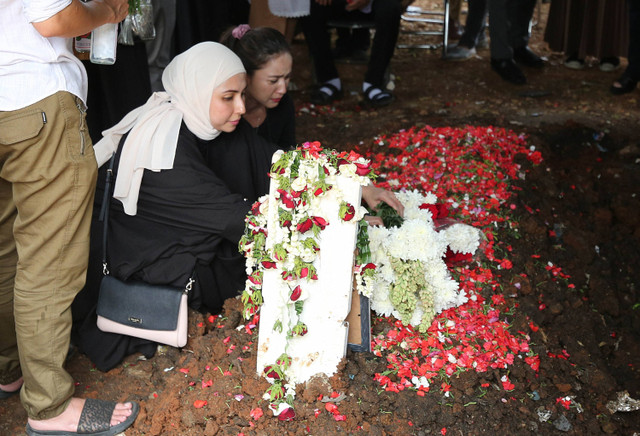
(329, 301)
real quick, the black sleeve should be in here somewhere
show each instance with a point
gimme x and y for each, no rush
(280, 125)
(287, 140)
(191, 196)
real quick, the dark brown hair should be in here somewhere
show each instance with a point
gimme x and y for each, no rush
(256, 47)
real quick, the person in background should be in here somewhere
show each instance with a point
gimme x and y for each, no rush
(205, 20)
(47, 182)
(386, 16)
(352, 45)
(159, 49)
(509, 22)
(586, 28)
(455, 28)
(628, 81)
(474, 32)
(266, 56)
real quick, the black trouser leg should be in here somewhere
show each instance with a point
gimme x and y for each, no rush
(386, 15)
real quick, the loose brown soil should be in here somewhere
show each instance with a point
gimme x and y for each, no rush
(585, 192)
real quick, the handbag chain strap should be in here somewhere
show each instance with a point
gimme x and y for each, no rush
(104, 217)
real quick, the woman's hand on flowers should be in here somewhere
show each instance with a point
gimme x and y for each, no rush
(372, 196)
(373, 220)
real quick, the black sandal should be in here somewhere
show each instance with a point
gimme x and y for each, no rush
(95, 420)
(627, 84)
(318, 96)
(381, 99)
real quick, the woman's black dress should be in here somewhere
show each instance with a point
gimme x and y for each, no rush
(189, 222)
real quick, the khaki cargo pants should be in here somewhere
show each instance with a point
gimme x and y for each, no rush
(47, 180)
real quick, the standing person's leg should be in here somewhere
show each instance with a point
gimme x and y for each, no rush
(499, 30)
(476, 17)
(633, 69)
(455, 29)
(50, 164)
(629, 79)
(520, 13)
(316, 35)
(501, 50)
(159, 49)
(52, 174)
(9, 359)
(386, 14)
(473, 27)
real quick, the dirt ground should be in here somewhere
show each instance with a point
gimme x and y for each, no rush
(584, 217)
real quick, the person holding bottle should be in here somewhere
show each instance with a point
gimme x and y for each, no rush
(47, 178)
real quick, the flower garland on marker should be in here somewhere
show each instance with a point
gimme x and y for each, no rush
(302, 177)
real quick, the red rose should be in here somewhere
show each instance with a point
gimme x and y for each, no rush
(455, 258)
(362, 169)
(318, 191)
(268, 264)
(349, 213)
(286, 276)
(443, 210)
(320, 222)
(255, 208)
(304, 272)
(271, 373)
(305, 226)
(368, 266)
(255, 280)
(286, 199)
(287, 414)
(295, 294)
(431, 208)
(284, 361)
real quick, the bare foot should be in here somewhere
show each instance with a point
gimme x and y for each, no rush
(68, 420)
(12, 387)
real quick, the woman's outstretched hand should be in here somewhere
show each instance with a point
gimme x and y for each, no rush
(373, 220)
(373, 195)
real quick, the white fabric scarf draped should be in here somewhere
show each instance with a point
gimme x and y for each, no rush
(189, 81)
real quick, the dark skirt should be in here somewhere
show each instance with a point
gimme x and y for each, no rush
(598, 28)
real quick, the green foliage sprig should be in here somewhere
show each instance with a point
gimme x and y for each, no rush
(389, 215)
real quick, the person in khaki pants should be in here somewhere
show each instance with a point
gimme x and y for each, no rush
(47, 177)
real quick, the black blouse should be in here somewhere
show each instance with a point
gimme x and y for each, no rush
(279, 127)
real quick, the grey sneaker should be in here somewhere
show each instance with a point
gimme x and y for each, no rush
(460, 53)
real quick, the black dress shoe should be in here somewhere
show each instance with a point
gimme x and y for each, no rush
(509, 71)
(526, 57)
(627, 84)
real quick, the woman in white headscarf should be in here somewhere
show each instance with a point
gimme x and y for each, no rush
(187, 169)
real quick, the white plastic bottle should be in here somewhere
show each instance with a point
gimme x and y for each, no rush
(103, 44)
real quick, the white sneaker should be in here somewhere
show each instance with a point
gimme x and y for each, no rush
(460, 53)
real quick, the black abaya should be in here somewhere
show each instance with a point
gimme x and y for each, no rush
(189, 222)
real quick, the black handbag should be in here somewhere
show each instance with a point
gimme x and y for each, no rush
(135, 308)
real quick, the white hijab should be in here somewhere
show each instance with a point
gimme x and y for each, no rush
(189, 81)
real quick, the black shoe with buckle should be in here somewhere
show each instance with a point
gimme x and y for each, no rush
(509, 71)
(525, 56)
